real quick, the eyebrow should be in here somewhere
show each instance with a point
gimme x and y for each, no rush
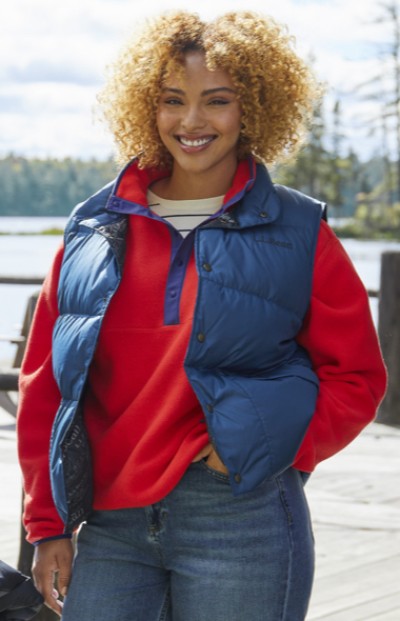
(209, 91)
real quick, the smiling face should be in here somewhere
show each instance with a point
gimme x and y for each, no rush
(198, 120)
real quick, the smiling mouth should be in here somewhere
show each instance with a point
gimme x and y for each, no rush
(196, 142)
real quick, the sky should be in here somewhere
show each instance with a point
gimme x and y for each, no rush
(53, 58)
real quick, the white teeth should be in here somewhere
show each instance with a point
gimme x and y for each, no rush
(194, 143)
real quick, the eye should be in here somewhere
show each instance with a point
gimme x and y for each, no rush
(217, 101)
(172, 101)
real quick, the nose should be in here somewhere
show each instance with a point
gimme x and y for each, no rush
(193, 118)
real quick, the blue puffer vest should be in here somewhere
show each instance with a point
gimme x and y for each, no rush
(255, 384)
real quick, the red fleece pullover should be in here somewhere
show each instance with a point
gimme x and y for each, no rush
(144, 422)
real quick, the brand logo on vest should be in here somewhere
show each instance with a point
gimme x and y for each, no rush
(274, 242)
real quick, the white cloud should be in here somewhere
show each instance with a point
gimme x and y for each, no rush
(53, 57)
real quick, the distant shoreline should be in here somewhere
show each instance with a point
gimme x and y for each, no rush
(348, 230)
(51, 231)
(345, 233)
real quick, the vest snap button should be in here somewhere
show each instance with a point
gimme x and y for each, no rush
(263, 214)
(207, 267)
(238, 478)
(210, 407)
(201, 337)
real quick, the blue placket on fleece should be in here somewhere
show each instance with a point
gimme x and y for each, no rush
(181, 249)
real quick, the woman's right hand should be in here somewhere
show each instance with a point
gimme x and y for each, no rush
(212, 459)
(214, 462)
(53, 558)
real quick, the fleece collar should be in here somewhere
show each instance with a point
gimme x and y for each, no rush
(130, 189)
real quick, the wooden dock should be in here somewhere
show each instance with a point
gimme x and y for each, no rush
(355, 504)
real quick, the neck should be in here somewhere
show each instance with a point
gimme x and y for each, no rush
(183, 185)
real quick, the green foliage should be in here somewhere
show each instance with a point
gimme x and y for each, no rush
(335, 180)
(51, 187)
(360, 191)
(376, 218)
(325, 173)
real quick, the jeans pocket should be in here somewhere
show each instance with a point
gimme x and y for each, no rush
(216, 474)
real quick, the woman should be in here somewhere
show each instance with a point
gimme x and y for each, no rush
(200, 344)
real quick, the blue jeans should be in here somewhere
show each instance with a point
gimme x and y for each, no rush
(198, 555)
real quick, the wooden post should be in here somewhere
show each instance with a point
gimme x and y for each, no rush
(389, 334)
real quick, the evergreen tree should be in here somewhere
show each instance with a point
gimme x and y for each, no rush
(49, 187)
(337, 161)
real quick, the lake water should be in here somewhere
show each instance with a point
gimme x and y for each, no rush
(31, 255)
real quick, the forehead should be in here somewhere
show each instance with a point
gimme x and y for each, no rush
(193, 71)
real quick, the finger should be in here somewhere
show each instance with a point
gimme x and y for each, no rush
(205, 452)
(45, 585)
(58, 601)
(43, 581)
(54, 604)
(216, 463)
(64, 574)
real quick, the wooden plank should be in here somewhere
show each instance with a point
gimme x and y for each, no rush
(384, 608)
(21, 280)
(8, 404)
(369, 491)
(10, 497)
(330, 509)
(389, 334)
(392, 615)
(338, 549)
(381, 430)
(14, 340)
(372, 461)
(355, 500)
(368, 488)
(9, 379)
(371, 581)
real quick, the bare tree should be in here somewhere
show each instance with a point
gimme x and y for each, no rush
(390, 51)
(383, 90)
(336, 158)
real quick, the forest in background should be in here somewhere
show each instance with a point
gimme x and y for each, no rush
(49, 187)
(355, 190)
(52, 187)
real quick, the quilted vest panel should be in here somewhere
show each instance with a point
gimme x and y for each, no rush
(256, 385)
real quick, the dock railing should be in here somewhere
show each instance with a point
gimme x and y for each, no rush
(9, 374)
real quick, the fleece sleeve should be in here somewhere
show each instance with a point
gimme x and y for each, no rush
(339, 335)
(39, 399)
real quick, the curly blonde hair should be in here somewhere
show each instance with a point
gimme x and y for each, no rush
(275, 88)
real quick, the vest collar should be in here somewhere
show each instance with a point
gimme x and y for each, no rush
(129, 194)
(260, 206)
